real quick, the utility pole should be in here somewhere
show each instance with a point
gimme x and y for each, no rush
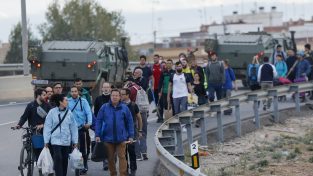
(24, 38)
(154, 39)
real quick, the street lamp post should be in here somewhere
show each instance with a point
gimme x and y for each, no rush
(24, 38)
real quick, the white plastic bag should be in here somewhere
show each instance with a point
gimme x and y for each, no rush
(76, 159)
(45, 161)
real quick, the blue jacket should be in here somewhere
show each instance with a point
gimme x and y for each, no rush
(303, 68)
(229, 78)
(281, 68)
(63, 135)
(82, 112)
(114, 124)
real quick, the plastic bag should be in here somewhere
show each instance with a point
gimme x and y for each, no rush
(45, 161)
(76, 159)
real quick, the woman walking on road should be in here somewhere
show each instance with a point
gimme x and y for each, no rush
(60, 130)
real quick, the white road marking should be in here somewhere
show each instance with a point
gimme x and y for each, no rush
(7, 123)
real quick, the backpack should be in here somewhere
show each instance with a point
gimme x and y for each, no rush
(142, 100)
(253, 73)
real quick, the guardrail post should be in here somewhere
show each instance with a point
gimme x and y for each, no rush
(179, 138)
(187, 121)
(236, 103)
(220, 132)
(273, 93)
(200, 114)
(254, 98)
(295, 89)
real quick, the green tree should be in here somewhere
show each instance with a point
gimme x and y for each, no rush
(82, 21)
(15, 55)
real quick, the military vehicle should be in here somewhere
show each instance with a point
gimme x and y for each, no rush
(239, 49)
(92, 61)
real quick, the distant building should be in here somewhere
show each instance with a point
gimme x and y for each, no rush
(4, 48)
(271, 18)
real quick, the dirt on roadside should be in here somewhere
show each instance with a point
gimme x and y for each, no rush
(284, 148)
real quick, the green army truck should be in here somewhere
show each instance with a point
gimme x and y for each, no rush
(239, 49)
(92, 61)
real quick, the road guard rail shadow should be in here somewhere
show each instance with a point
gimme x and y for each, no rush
(168, 138)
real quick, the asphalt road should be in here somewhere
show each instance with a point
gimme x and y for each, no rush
(11, 145)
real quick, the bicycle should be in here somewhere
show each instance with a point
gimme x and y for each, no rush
(27, 156)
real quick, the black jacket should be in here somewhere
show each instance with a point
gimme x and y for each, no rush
(100, 100)
(30, 114)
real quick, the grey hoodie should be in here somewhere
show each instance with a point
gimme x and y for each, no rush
(215, 73)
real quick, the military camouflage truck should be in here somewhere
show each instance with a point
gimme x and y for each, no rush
(239, 49)
(92, 61)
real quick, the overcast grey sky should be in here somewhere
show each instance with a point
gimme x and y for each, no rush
(170, 16)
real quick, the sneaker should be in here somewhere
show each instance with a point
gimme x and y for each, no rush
(154, 110)
(132, 173)
(144, 155)
(160, 121)
(105, 165)
(139, 158)
(83, 172)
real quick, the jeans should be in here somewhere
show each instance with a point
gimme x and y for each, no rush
(156, 96)
(215, 88)
(120, 149)
(141, 144)
(60, 159)
(130, 149)
(180, 104)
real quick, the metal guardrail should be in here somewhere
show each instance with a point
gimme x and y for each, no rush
(168, 138)
(11, 67)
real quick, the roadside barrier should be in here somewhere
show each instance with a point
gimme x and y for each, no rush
(168, 138)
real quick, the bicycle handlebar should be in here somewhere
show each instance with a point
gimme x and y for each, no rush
(24, 128)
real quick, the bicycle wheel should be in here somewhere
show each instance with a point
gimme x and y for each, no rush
(26, 166)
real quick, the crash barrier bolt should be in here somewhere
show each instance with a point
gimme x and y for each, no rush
(179, 139)
(254, 98)
(273, 93)
(187, 121)
(220, 132)
(295, 89)
(202, 121)
(236, 103)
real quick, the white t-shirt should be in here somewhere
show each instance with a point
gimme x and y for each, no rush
(180, 86)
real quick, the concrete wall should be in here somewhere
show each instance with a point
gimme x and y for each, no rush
(15, 88)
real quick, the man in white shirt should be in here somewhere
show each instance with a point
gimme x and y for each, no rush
(180, 84)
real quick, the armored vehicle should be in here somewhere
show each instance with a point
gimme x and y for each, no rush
(92, 61)
(239, 49)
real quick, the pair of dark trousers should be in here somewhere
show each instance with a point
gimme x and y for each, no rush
(164, 105)
(83, 145)
(130, 149)
(60, 159)
(141, 144)
(156, 96)
(120, 150)
(213, 89)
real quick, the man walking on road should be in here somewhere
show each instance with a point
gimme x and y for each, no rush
(266, 74)
(131, 148)
(115, 127)
(100, 100)
(163, 88)
(180, 83)
(215, 77)
(83, 117)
